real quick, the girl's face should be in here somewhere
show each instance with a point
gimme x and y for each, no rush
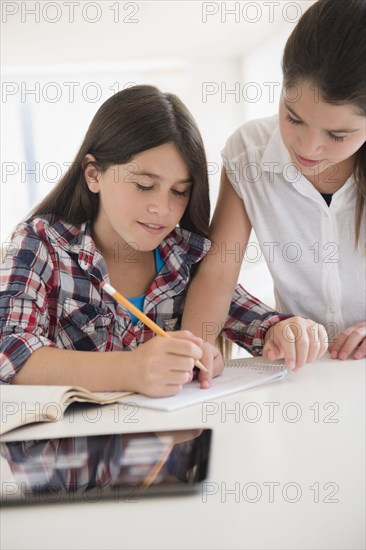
(140, 202)
(319, 135)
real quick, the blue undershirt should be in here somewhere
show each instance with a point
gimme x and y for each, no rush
(138, 301)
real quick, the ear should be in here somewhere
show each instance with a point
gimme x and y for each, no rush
(91, 173)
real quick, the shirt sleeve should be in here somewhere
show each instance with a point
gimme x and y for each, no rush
(248, 321)
(231, 156)
(26, 285)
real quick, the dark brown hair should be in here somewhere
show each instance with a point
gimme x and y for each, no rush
(134, 120)
(328, 49)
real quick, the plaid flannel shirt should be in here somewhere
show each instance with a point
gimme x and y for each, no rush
(51, 295)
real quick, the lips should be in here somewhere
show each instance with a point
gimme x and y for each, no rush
(307, 162)
(153, 228)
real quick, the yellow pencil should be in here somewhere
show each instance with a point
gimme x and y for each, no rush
(144, 318)
(154, 472)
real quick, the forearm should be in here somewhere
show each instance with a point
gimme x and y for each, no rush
(96, 371)
(207, 306)
(210, 293)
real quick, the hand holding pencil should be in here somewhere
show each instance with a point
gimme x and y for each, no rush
(172, 354)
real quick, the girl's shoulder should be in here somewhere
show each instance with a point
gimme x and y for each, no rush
(39, 243)
(253, 135)
(46, 229)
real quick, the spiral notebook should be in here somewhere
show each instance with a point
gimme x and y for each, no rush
(238, 375)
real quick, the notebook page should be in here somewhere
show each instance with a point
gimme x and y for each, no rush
(238, 375)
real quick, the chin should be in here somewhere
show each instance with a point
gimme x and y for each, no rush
(308, 171)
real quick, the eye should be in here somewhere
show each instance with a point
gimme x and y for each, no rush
(336, 138)
(292, 120)
(143, 187)
(184, 193)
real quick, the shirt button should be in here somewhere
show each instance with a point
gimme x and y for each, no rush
(333, 310)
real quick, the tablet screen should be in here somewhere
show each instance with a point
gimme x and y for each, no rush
(124, 467)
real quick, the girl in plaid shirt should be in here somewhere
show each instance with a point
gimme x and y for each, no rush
(132, 210)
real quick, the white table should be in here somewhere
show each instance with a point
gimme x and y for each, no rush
(287, 472)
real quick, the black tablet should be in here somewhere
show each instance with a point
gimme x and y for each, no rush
(123, 467)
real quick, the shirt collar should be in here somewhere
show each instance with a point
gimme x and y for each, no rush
(179, 250)
(277, 159)
(77, 239)
(182, 248)
(89, 256)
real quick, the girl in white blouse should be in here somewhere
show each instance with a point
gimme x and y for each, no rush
(299, 180)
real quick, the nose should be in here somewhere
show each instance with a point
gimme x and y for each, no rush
(160, 205)
(310, 143)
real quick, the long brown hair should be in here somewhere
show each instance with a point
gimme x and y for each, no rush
(328, 49)
(131, 121)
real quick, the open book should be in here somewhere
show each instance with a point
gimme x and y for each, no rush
(22, 405)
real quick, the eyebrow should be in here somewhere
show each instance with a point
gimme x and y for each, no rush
(150, 175)
(331, 131)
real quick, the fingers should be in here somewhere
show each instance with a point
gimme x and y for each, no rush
(163, 382)
(318, 342)
(360, 351)
(186, 335)
(311, 342)
(271, 351)
(166, 364)
(297, 340)
(298, 345)
(205, 378)
(184, 348)
(182, 373)
(179, 377)
(350, 343)
(214, 363)
(336, 347)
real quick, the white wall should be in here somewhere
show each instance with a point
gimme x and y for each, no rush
(213, 58)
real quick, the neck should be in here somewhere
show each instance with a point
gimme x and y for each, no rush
(118, 252)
